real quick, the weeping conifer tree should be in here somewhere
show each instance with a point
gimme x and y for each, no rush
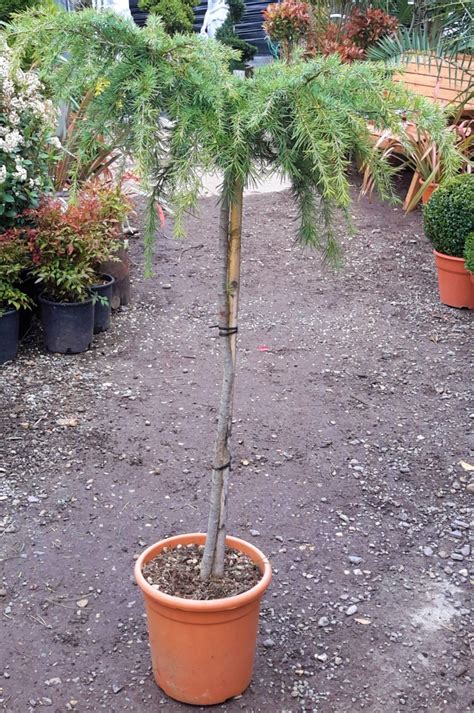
(304, 120)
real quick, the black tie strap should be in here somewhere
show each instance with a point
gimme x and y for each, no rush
(225, 331)
(222, 467)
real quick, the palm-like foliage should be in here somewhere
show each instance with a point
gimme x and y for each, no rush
(183, 113)
(442, 33)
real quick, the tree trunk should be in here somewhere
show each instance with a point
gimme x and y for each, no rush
(230, 231)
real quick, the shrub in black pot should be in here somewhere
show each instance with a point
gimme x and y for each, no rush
(63, 254)
(66, 244)
(14, 258)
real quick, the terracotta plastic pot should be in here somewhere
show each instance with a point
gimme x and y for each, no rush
(428, 192)
(203, 651)
(455, 286)
(119, 268)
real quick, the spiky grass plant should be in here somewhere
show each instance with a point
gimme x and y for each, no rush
(305, 120)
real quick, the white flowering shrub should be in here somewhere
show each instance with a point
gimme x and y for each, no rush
(27, 123)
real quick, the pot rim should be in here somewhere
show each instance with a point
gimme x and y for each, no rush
(105, 275)
(42, 298)
(5, 312)
(448, 257)
(207, 605)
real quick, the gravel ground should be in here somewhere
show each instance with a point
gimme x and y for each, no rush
(353, 411)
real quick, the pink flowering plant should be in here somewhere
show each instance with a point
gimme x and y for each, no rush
(27, 124)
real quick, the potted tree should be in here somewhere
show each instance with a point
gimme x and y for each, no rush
(303, 119)
(448, 220)
(14, 259)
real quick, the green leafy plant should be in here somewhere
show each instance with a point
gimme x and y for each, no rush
(228, 36)
(440, 34)
(469, 253)
(448, 217)
(176, 15)
(8, 8)
(303, 119)
(66, 242)
(14, 262)
(26, 126)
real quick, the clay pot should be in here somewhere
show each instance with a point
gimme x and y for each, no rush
(456, 288)
(119, 269)
(203, 651)
(428, 192)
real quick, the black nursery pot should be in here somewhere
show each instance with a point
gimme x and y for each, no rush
(29, 287)
(9, 334)
(68, 327)
(103, 311)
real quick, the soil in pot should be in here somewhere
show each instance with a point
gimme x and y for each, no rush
(202, 650)
(103, 304)
(68, 327)
(175, 571)
(9, 334)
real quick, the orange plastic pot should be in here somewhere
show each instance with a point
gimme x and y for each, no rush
(456, 288)
(203, 652)
(428, 191)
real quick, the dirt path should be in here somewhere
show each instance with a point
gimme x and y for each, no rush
(348, 434)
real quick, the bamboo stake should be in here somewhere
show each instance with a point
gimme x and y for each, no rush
(230, 232)
(233, 292)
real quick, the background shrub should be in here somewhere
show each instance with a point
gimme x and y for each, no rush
(469, 253)
(227, 34)
(177, 15)
(10, 7)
